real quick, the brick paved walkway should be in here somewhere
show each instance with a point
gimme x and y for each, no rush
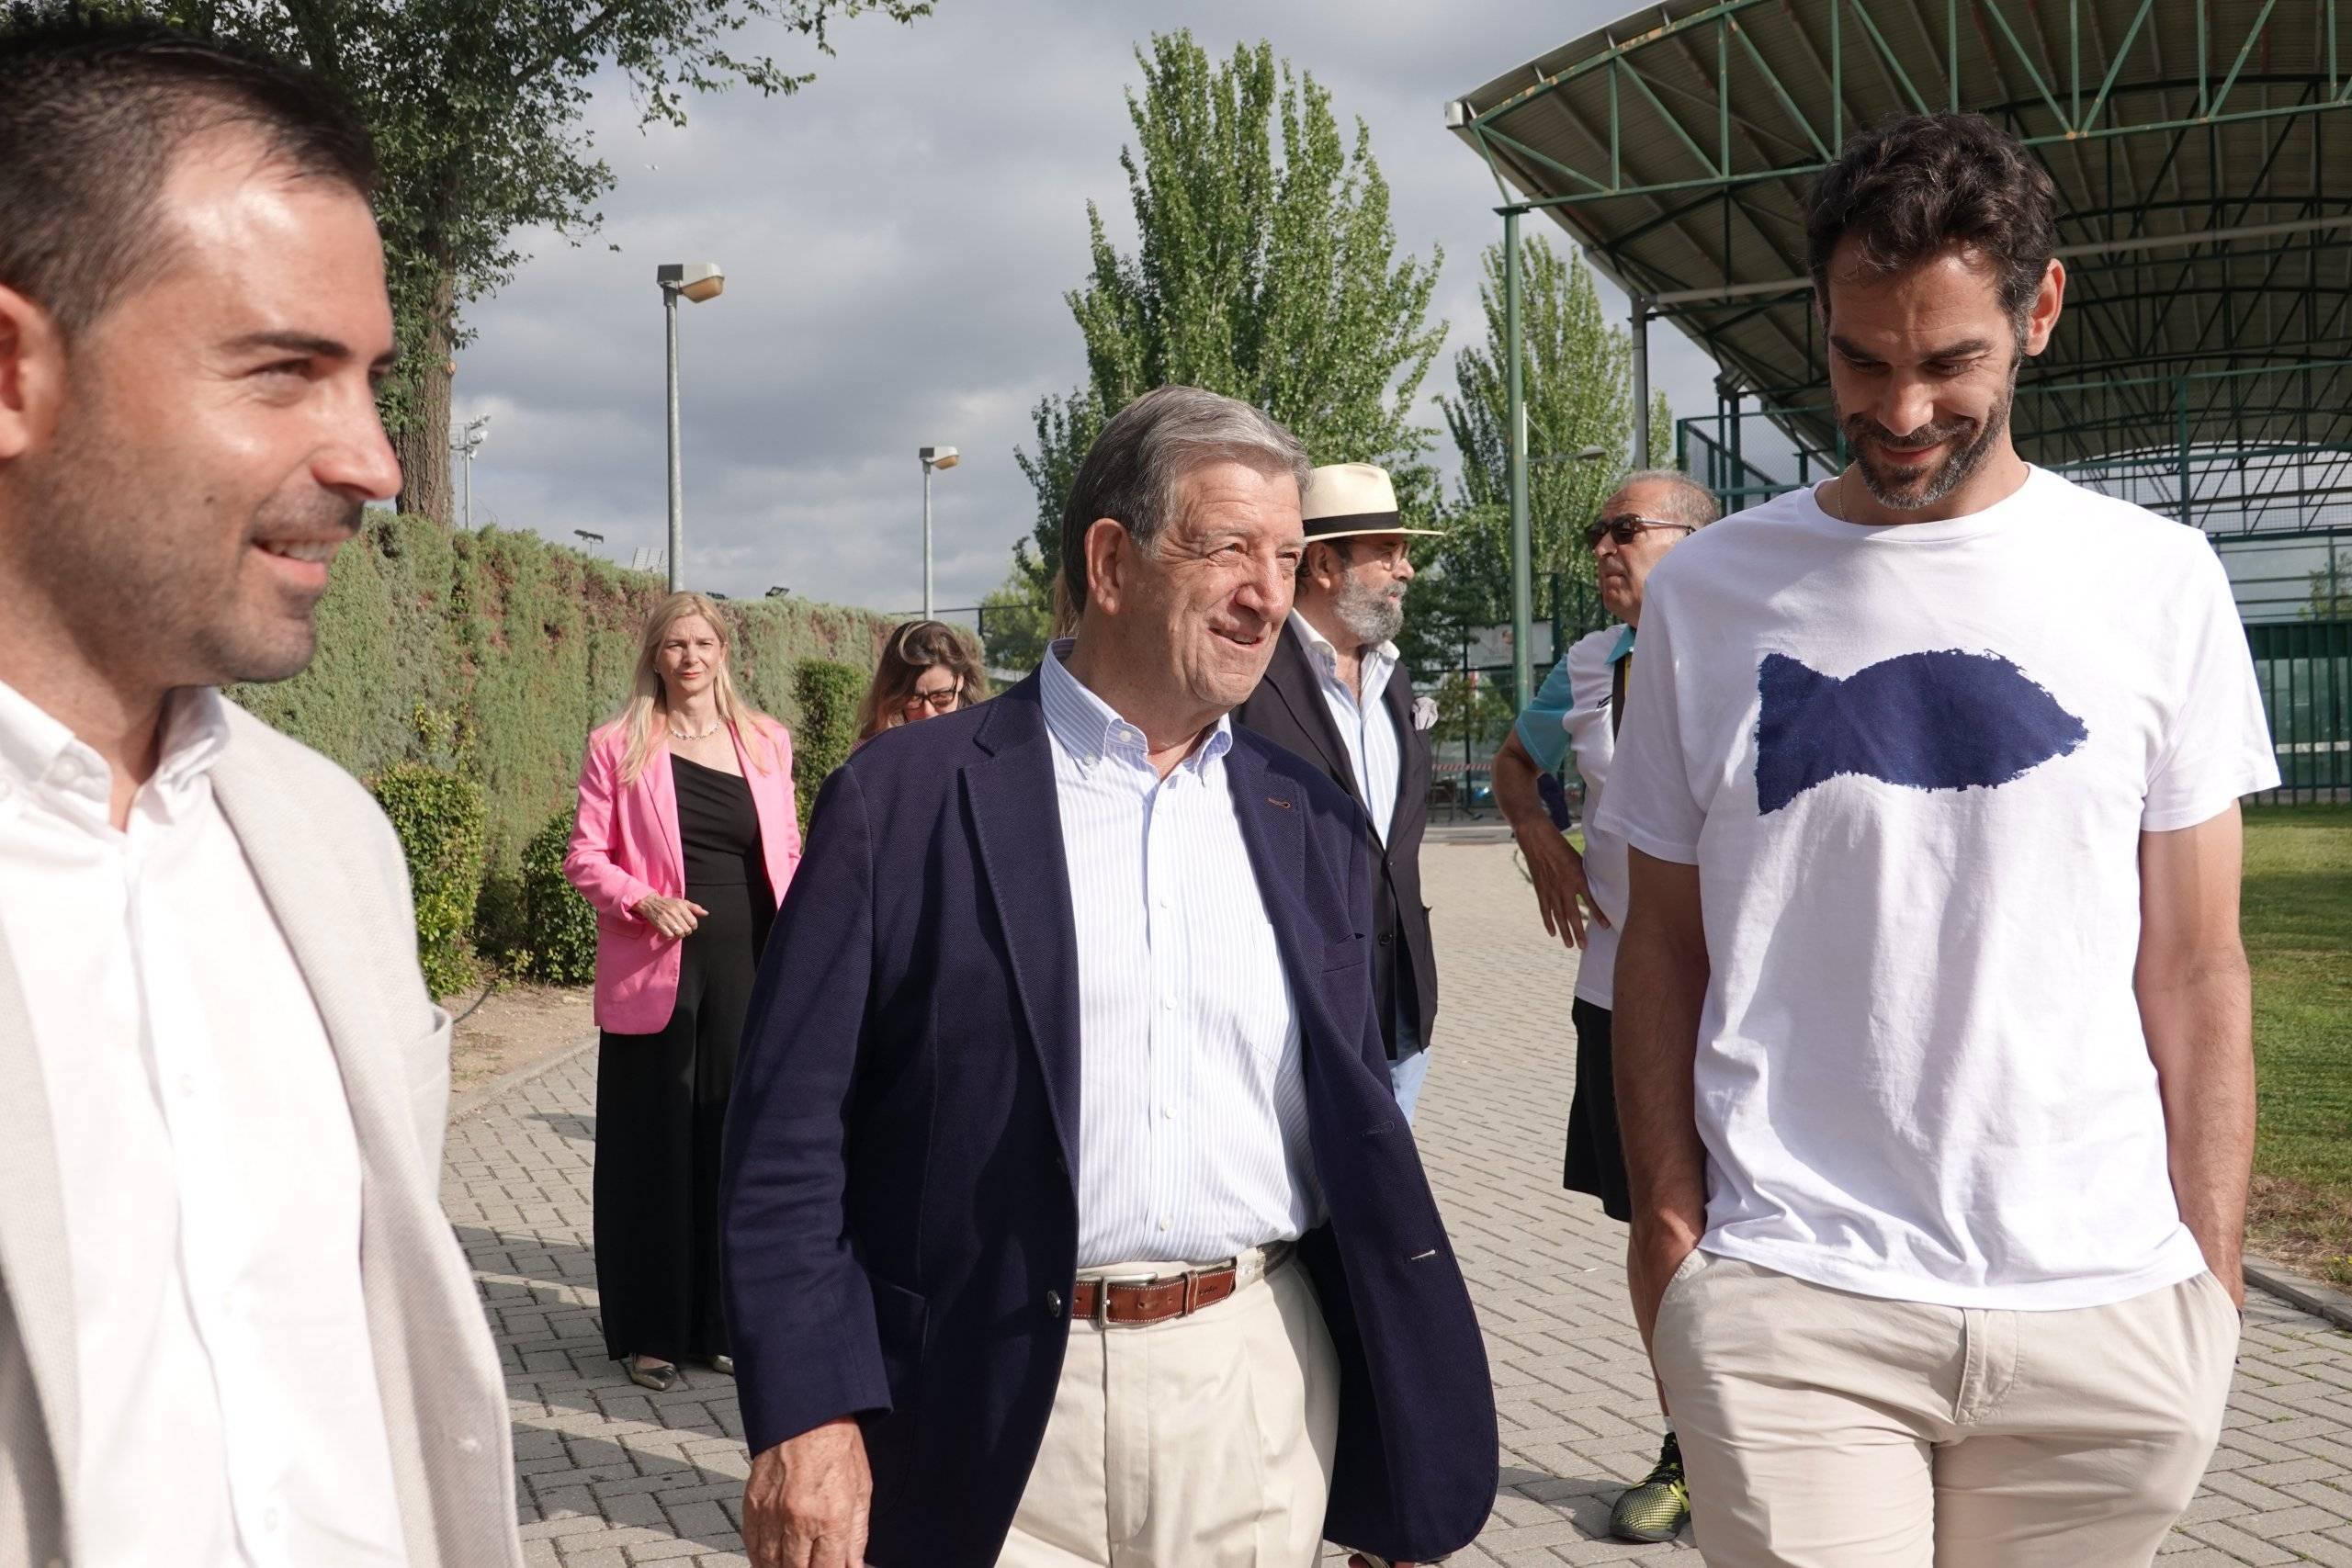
(611, 1476)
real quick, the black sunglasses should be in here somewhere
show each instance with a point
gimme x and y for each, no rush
(1625, 527)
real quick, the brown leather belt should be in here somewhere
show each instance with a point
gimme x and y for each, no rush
(1147, 1299)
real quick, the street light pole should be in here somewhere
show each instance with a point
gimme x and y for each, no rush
(696, 281)
(932, 457)
(1522, 571)
(465, 445)
(677, 500)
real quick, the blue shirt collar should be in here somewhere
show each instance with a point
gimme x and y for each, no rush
(1624, 645)
(1090, 730)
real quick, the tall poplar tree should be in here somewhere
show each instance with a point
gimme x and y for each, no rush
(1577, 382)
(477, 108)
(1266, 268)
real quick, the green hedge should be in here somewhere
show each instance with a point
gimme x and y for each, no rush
(439, 817)
(826, 693)
(558, 926)
(491, 654)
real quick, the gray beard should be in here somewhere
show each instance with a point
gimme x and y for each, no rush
(1372, 615)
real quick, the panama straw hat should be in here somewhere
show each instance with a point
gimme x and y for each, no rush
(1347, 499)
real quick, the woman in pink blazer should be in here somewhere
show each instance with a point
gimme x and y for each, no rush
(685, 843)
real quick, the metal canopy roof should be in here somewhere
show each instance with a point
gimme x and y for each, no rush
(2202, 151)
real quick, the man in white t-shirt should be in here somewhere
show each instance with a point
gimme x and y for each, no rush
(1930, 775)
(1582, 897)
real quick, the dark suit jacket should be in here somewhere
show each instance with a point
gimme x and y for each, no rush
(1288, 709)
(899, 1214)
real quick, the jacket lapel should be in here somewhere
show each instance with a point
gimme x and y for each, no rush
(36, 1271)
(1292, 676)
(1017, 824)
(662, 788)
(303, 881)
(1412, 748)
(771, 801)
(1272, 814)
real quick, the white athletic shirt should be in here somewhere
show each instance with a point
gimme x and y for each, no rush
(1913, 764)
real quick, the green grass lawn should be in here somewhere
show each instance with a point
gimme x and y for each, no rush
(2298, 939)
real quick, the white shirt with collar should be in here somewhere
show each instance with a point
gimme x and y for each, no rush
(1375, 751)
(1193, 1141)
(229, 1413)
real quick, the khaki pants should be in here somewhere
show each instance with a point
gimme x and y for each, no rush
(1199, 1441)
(1823, 1430)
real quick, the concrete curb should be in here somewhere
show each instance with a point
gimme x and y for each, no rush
(2298, 1289)
(472, 1102)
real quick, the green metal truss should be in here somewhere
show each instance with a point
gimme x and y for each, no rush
(2202, 151)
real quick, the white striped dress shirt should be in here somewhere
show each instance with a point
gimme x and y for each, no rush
(1191, 1105)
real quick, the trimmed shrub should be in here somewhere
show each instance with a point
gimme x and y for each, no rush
(827, 696)
(439, 817)
(559, 925)
(491, 655)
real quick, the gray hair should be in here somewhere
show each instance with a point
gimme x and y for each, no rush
(1130, 473)
(1689, 502)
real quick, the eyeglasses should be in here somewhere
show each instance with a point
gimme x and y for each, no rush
(1390, 556)
(941, 701)
(1625, 527)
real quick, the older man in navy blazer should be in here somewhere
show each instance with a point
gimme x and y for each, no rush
(1069, 1218)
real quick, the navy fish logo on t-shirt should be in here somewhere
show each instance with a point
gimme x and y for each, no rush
(1938, 720)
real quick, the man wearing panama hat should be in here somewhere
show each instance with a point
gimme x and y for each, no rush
(1337, 695)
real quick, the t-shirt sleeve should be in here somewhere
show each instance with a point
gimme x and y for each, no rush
(1539, 722)
(1648, 802)
(2217, 745)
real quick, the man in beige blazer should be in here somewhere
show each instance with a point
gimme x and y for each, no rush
(235, 1327)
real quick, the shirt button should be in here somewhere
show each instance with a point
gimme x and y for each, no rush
(469, 1445)
(1168, 1113)
(269, 1519)
(186, 1086)
(1168, 1004)
(1163, 1222)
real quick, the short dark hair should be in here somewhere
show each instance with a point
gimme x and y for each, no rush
(1915, 188)
(1130, 472)
(94, 109)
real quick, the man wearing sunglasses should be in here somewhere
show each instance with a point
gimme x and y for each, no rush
(1582, 897)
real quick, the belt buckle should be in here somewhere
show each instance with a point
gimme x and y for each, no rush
(1103, 1288)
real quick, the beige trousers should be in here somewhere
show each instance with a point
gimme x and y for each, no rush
(1822, 1430)
(1199, 1441)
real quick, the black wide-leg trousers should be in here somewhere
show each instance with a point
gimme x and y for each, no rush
(660, 1108)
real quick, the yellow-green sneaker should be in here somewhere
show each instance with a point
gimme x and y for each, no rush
(1659, 1507)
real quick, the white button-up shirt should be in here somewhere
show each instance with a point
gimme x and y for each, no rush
(229, 1414)
(1375, 751)
(1192, 1104)
(1366, 727)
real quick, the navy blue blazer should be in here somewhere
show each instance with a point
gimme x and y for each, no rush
(901, 1220)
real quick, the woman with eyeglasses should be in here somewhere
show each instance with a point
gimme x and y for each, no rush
(928, 668)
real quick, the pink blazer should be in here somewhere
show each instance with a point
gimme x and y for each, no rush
(624, 845)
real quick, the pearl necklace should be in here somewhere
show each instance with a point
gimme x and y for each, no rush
(677, 734)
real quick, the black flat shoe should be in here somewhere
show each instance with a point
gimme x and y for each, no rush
(661, 1379)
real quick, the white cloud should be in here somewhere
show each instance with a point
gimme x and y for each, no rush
(897, 240)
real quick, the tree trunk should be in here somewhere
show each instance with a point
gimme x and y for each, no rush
(423, 446)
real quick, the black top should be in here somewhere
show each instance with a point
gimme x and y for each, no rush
(719, 827)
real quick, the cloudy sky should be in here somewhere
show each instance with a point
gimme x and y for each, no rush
(897, 239)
